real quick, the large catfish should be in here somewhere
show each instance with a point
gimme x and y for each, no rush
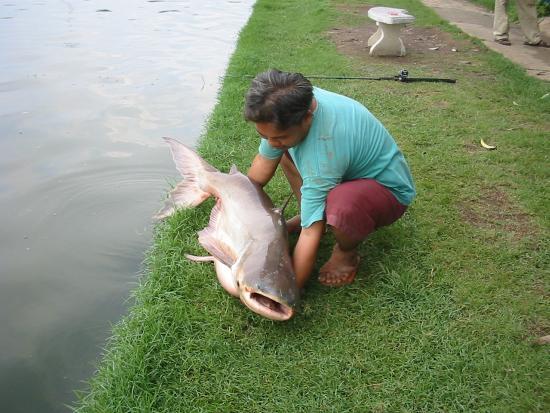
(246, 235)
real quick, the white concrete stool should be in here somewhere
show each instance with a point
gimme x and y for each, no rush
(386, 40)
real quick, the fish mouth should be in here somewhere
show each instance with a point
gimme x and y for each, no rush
(266, 306)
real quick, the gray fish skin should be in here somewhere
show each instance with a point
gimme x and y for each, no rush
(246, 235)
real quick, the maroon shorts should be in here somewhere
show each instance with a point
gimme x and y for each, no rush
(359, 207)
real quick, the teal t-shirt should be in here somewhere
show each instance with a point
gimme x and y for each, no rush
(345, 142)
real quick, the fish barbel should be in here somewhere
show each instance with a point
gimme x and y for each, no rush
(246, 236)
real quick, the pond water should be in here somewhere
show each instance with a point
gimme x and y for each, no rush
(87, 90)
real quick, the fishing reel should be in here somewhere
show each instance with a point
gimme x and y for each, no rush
(402, 76)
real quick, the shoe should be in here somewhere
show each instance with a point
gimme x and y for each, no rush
(504, 42)
(541, 43)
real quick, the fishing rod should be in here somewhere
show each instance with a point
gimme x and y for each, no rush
(402, 76)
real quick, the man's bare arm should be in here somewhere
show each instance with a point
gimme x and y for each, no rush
(262, 169)
(305, 252)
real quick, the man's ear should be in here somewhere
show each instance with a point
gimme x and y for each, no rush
(309, 117)
(312, 107)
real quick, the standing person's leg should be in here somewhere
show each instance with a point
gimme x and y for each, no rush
(354, 210)
(500, 24)
(527, 13)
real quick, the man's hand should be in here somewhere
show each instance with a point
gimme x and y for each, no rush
(263, 169)
(305, 252)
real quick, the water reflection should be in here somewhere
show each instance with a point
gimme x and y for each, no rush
(85, 96)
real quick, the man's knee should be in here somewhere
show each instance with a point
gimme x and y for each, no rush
(359, 207)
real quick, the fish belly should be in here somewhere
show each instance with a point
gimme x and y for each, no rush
(226, 278)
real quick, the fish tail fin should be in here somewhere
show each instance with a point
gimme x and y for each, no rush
(194, 188)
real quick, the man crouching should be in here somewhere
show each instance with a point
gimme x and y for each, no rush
(342, 164)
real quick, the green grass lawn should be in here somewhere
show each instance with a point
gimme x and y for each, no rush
(448, 300)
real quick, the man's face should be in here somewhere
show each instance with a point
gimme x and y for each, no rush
(284, 139)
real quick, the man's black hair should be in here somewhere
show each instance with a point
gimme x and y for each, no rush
(277, 97)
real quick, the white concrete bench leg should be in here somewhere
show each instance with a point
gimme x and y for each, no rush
(375, 37)
(386, 41)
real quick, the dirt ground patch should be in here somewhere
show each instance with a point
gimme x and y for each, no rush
(427, 47)
(494, 210)
(537, 329)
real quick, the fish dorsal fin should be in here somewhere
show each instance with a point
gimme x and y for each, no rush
(234, 170)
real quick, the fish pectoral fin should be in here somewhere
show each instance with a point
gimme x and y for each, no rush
(218, 249)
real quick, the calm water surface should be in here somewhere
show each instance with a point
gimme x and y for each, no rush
(87, 88)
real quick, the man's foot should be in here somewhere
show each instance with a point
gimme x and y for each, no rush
(541, 43)
(294, 225)
(504, 42)
(340, 269)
